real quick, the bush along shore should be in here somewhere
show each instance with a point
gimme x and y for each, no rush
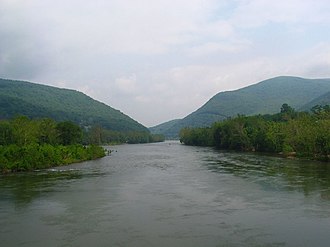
(14, 158)
(27, 145)
(290, 133)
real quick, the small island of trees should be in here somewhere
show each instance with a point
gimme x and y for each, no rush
(30, 144)
(27, 144)
(291, 133)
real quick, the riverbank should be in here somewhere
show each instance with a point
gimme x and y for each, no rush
(14, 158)
(290, 134)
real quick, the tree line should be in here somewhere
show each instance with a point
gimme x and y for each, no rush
(301, 134)
(98, 135)
(27, 144)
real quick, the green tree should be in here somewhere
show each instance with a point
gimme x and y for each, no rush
(96, 134)
(321, 112)
(25, 131)
(287, 112)
(69, 133)
(47, 131)
(6, 133)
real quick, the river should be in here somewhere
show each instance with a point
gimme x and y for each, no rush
(168, 194)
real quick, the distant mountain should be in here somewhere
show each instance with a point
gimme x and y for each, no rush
(165, 128)
(324, 99)
(261, 98)
(39, 101)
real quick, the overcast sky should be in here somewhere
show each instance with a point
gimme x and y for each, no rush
(157, 60)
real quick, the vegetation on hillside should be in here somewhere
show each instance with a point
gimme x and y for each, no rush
(40, 101)
(166, 128)
(265, 97)
(289, 132)
(324, 99)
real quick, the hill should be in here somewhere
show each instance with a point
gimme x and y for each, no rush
(265, 97)
(39, 101)
(324, 99)
(165, 128)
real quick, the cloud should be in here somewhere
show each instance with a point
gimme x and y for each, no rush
(214, 47)
(127, 85)
(256, 13)
(315, 62)
(159, 60)
(21, 53)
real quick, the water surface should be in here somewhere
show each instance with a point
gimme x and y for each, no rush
(167, 194)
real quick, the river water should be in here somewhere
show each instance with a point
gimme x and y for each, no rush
(168, 194)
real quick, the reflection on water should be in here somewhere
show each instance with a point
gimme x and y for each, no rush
(168, 194)
(278, 173)
(23, 188)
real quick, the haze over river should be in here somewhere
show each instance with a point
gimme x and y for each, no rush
(168, 194)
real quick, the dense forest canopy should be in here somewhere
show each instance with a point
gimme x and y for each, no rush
(27, 144)
(301, 134)
(40, 101)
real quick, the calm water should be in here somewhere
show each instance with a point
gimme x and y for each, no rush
(168, 194)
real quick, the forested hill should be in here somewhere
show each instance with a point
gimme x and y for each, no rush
(265, 97)
(165, 128)
(324, 99)
(39, 101)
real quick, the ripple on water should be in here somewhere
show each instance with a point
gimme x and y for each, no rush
(169, 195)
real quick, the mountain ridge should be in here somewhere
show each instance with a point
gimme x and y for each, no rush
(264, 97)
(324, 99)
(37, 101)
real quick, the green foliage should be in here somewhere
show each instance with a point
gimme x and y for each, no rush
(27, 144)
(47, 132)
(289, 132)
(142, 137)
(156, 138)
(98, 135)
(35, 156)
(24, 131)
(68, 133)
(322, 111)
(197, 136)
(6, 133)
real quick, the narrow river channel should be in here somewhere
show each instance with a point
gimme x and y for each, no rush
(168, 194)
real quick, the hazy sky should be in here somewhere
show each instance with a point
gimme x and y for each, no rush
(157, 60)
